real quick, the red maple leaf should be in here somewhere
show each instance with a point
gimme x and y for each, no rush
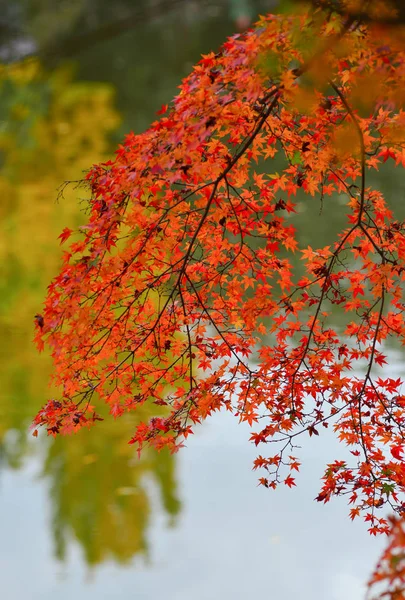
(66, 233)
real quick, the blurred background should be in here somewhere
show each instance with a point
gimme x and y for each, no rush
(83, 515)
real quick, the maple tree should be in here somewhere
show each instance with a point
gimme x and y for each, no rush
(183, 289)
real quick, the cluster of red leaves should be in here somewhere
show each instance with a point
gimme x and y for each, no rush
(188, 260)
(390, 570)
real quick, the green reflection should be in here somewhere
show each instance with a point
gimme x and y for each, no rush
(99, 491)
(53, 128)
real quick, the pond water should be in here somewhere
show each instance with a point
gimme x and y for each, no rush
(82, 516)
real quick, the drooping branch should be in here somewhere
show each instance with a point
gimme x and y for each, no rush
(185, 290)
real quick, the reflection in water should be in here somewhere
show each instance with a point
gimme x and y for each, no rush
(99, 494)
(53, 129)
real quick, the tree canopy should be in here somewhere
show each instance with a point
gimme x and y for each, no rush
(187, 287)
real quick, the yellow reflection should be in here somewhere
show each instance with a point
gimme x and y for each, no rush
(52, 129)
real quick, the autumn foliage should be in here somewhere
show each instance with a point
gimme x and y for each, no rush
(188, 288)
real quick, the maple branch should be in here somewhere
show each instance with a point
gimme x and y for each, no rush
(213, 323)
(186, 263)
(373, 11)
(362, 149)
